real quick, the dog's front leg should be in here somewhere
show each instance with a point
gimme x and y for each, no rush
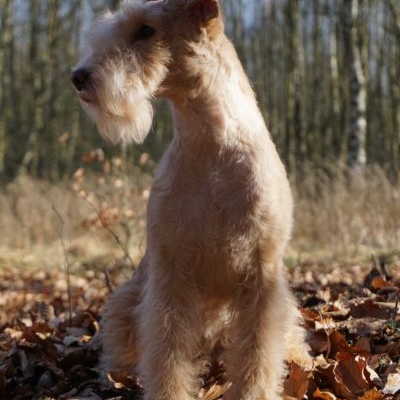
(169, 336)
(255, 360)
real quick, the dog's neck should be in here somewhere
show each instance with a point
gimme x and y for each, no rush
(224, 105)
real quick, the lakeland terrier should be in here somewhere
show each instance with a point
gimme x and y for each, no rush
(220, 209)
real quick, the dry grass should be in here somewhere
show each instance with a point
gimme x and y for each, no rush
(338, 216)
(344, 215)
(87, 207)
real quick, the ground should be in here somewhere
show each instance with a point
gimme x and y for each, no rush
(50, 320)
(66, 246)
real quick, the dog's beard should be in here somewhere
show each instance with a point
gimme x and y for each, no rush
(122, 109)
(131, 126)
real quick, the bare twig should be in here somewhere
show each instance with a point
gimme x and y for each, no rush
(66, 263)
(396, 306)
(374, 261)
(111, 232)
(108, 281)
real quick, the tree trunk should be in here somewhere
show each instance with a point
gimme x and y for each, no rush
(357, 156)
(295, 143)
(394, 76)
(335, 137)
(5, 45)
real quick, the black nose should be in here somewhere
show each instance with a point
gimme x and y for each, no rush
(80, 78)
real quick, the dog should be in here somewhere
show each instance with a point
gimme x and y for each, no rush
(220, 210)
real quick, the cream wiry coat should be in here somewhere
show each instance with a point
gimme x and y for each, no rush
(220, 209)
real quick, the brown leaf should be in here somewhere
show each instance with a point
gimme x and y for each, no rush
(31, 339)
(364, 326)
(391, 348)
(347, 376)
(371, 395)
(324, 395)
(328, 377)
(82, 321)
(363, 344)
(372, 309)
(338, 315)
(318, 341)
(296, 385)
(352, 372)
(378, 283)
(81, 357)
(337, 343)
(121, 380)
(310, 315)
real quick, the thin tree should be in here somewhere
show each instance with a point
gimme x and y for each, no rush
(394, 75)
(357, 156)
(6, 45)
(295, 142)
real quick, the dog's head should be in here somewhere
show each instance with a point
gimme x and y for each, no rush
(144, 50)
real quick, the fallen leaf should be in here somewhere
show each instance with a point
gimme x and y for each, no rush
(392, 385)
(371, 395)
(372, 309)
(318, 341)
(378, 283)
(121, 380)
(363, 343)
(337, 343)
(296, 385)
(352, 372)
(324, 395)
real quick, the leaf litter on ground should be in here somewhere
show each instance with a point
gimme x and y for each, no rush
(351, 316)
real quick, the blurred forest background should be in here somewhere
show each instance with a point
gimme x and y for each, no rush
(327, 77)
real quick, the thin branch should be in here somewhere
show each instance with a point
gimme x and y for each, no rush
(108, 281)
(111, 232)
(66, 263)
(396, 306)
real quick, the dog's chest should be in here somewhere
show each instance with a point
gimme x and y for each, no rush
(206, 214)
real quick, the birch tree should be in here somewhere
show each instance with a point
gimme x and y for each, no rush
(357, 156)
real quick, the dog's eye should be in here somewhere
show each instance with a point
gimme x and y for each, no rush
(144, 32)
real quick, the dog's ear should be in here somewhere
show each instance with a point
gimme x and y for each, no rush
(204, 10)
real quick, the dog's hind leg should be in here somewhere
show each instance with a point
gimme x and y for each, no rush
(120, 347)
